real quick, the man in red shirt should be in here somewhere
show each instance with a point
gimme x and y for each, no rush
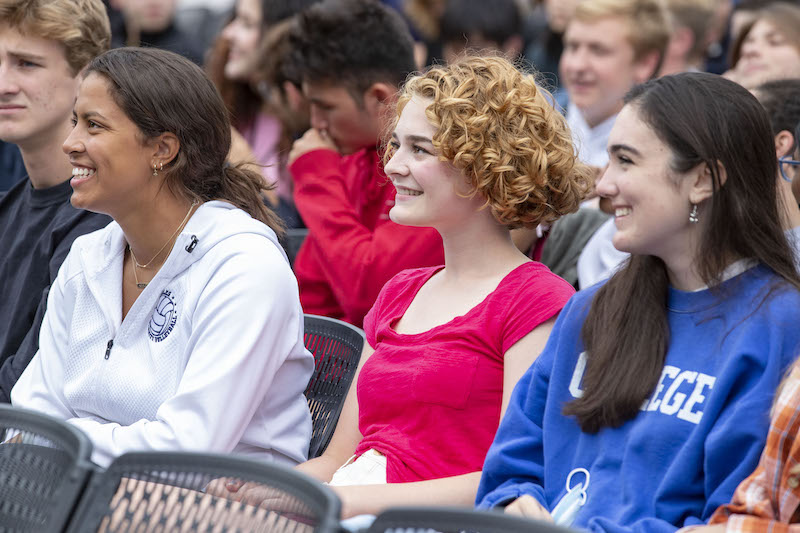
(351, 55)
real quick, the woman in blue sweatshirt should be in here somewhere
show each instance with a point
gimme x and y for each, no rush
(651, 400)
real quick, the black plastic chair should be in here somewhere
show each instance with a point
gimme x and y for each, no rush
(336, 347)
(455, 520)
(183, 491)
(44, 465)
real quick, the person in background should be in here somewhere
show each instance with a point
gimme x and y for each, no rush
(452, 340)
(781, 100)
(44, 44)
(475, 27)
(233, 65)
(650, 401)
(768, 47)
(152, 23)
(178, 326)
(689, 40)
(351, 56)
(609, 46)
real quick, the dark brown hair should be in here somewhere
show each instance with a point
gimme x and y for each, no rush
(160, 92)
(703, 119)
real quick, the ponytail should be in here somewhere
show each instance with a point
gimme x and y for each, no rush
(242, 187)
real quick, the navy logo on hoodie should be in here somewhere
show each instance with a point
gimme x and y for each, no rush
(164, 317)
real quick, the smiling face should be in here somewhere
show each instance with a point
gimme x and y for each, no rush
(243, 35)
(766, 55)
(37, 89)
(650, 201)
(430, 192)
(111, 165)
(598, 66)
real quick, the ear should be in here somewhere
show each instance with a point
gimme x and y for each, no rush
(644, 68)
(165, 148)
(784, 143)
(702, 184)
(378, 97)
(294, 97)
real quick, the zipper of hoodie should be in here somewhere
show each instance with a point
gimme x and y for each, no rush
(108, 348)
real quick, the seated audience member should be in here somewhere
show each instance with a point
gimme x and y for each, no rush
(12, 168)
(448, 343)
(781, 100)
(233, 66)
(609, 46)
(768, 47)
(477, 26)
(43, 46)
(689, 40)
(351, 55)
(177, 327)
(152, 23)
(651, 398)
(768, 499)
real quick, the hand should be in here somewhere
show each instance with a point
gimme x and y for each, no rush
(528, 507)
(311, 140)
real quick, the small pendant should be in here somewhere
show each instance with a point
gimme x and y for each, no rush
(141, 285)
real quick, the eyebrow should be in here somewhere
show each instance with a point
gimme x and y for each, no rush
(89, 115)
(614, 148)
(27, 56)
(414, 138)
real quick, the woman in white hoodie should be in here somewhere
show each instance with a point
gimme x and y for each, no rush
(177, 327)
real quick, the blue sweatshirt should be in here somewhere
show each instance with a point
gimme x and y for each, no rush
(699, 434)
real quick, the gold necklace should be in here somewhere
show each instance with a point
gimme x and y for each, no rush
(141, 286)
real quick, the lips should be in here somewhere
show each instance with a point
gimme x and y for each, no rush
(81, 175)
(407, 192)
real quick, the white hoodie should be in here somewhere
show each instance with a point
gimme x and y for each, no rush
(210, 357)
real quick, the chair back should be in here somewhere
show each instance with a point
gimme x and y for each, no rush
(456, 520)
(336, 347)
(44, 465)
(186, 491)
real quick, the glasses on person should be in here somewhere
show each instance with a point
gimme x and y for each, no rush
(785, 160)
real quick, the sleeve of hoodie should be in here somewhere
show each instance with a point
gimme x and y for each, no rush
(246, 325)
(357, 260)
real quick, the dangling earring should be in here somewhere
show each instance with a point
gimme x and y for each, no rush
(693, 215)
(155, 172)
(161, 167)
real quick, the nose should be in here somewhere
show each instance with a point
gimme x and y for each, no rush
(605, 184)
(318, 119)
(395, 167)
(73, 144)
(8, 83)
(573, 60)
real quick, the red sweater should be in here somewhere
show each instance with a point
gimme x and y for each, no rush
(352, 247)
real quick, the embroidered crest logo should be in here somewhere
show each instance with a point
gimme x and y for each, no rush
(164, 317)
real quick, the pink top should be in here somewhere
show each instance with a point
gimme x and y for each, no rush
(263, 136)
(431, 401)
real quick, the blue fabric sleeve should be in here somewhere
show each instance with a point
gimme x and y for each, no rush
(515, 462)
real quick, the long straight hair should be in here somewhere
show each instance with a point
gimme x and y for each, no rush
(703, 119)
(160, 91)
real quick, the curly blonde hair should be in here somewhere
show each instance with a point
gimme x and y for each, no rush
(500, 129)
